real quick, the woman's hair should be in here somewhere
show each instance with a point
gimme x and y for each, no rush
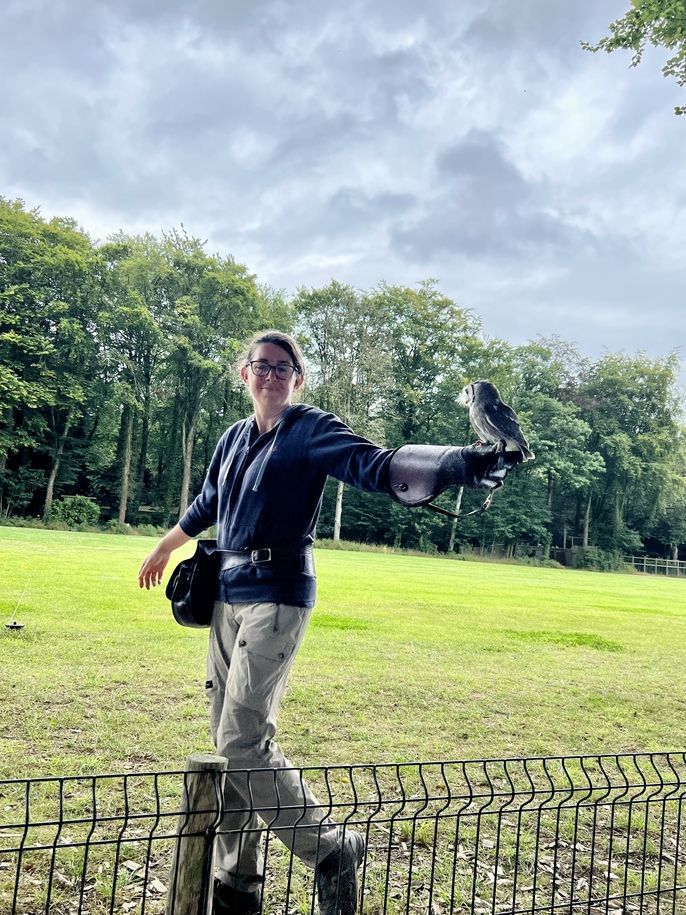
(279, 338)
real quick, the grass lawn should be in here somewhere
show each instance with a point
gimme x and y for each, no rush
(406, 658)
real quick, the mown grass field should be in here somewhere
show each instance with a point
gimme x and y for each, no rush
(406, 658)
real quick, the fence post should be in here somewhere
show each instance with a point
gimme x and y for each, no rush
(190, 885)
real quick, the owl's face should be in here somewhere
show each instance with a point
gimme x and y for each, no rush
(466, 397)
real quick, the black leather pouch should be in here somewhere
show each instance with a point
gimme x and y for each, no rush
(192, 588)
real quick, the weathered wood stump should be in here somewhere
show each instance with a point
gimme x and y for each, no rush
(190, 885)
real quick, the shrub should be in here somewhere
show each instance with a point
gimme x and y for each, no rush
(38, 523)
(592, 557)
(150, 530)
(87, 528)
(116, 527)
(72, 510)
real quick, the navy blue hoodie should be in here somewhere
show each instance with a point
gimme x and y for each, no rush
(266, 491)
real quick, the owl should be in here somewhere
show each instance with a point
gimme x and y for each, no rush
(493, 421)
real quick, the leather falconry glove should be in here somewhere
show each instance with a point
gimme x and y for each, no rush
(419, 473)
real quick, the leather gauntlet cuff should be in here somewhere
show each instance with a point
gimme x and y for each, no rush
(418, 473)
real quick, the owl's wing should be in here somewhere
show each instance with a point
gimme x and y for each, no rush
(504, 419)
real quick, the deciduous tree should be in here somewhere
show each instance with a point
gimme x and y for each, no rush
(345, 344)
(661, 23)
(49, 300)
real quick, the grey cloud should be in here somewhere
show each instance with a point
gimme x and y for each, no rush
(308, 141)
(344, 217)
(478, 168)
(551, 29)
(353, 209)
(257, 23)
(482, 205)
(307, 99)
(344, 72)
(43, 40)
(263, 23)
(446, 228)
(193, 103)
(605, 301)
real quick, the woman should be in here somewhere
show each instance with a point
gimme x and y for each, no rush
(263, 490)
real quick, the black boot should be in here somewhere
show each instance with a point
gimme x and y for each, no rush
(336, 877)
(229, 901)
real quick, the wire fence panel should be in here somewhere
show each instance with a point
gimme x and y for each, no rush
(584, 834)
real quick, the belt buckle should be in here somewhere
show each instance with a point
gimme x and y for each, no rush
(263, 555)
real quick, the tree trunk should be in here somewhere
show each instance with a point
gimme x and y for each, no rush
(59, 451)
(127, 422)
(3, 464)
(145, 438)
(618, 515)
(226, 400)
(453, 526)
(339, 512)
(8, 422)
(187, 443)
(167, 465)
(675, 550)
(587, 521)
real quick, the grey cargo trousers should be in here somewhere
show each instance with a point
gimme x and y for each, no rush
(251, 650)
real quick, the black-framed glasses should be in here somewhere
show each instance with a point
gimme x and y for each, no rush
(282, 370)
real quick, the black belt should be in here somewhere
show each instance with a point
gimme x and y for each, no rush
(230, 558)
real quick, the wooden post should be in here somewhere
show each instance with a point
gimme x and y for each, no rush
(190, 884)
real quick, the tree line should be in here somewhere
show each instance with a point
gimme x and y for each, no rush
(117, 377)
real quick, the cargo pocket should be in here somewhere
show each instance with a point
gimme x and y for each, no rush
(267, 643)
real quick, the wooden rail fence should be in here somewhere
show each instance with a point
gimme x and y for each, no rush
(653, 566)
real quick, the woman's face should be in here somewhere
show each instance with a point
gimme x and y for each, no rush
(268, 391)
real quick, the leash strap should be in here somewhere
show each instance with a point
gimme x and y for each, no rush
(475, 511)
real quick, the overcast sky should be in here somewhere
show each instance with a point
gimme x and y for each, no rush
(474, 142)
